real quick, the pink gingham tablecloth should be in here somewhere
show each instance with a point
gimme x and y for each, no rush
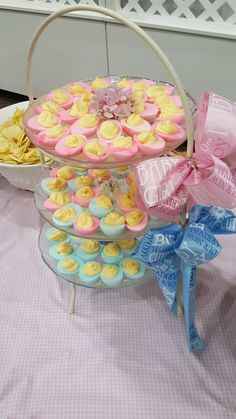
(122, 355)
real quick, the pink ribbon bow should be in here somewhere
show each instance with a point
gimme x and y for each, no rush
(166, 184)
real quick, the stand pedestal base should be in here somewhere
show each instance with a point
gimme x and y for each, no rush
(72, 298)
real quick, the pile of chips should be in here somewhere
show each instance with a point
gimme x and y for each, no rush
(15, 146)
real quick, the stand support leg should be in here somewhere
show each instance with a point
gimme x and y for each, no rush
(72, 298)
(180, 307)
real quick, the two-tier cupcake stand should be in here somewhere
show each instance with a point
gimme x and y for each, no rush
(83, 253)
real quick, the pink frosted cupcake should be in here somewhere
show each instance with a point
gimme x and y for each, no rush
(86, 125)
(136, 220)
(66, 173)
(86, 224)
(84, 195)
(169, 111)
(77, 110)
(149, 143)
(146, 110)
(99, 175)
(61, 98)
(96, 151)
(57, 200)
(78, 88)
(100, 83)
(134, 124)
(123, 148)
(43, 121)
(48, 106)
(50, 136)
(153, 92)
(70, 146)
(109, 130)
(169, 131)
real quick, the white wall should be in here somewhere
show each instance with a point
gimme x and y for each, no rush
(69, 49)
(201, 62)
(73, 48)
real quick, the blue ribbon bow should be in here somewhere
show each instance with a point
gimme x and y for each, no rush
(170, 249)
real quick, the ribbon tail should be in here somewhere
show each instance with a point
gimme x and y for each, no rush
(189, 286)
(168, 283)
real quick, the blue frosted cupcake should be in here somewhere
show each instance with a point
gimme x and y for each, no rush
(132, 268)
(120, 172)
(101, 206)
(76, 240)
(50, 185)
(89, 250)
(113, 224)
(80, 182)
(66, 215)
(112, 253)
(111, 275)
(69, 265)
(55, 236)
(59, 251)
(89, 273)
(128, 246)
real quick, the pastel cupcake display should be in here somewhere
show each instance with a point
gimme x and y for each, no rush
(136, 220)
(123, 148)
(109, 130)
(132, 268)
(89, 249)
(56, 236)
(149, 143)
(59, 251)
(111, 275)
(86, 224)
(97, 121)
(113, 224)
(101, 206)
(112, 253)
(70, 146)
(128, 246)
(89, 273)
(57, 200)
(66, 215)
(169, 131)
(69, 265)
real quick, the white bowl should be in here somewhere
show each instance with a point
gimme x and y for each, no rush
(24, 176)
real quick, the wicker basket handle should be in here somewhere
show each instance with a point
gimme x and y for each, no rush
(104, 11)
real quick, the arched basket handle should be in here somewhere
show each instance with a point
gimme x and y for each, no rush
(158, 51)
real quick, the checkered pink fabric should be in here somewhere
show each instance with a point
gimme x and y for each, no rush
(122, 355)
